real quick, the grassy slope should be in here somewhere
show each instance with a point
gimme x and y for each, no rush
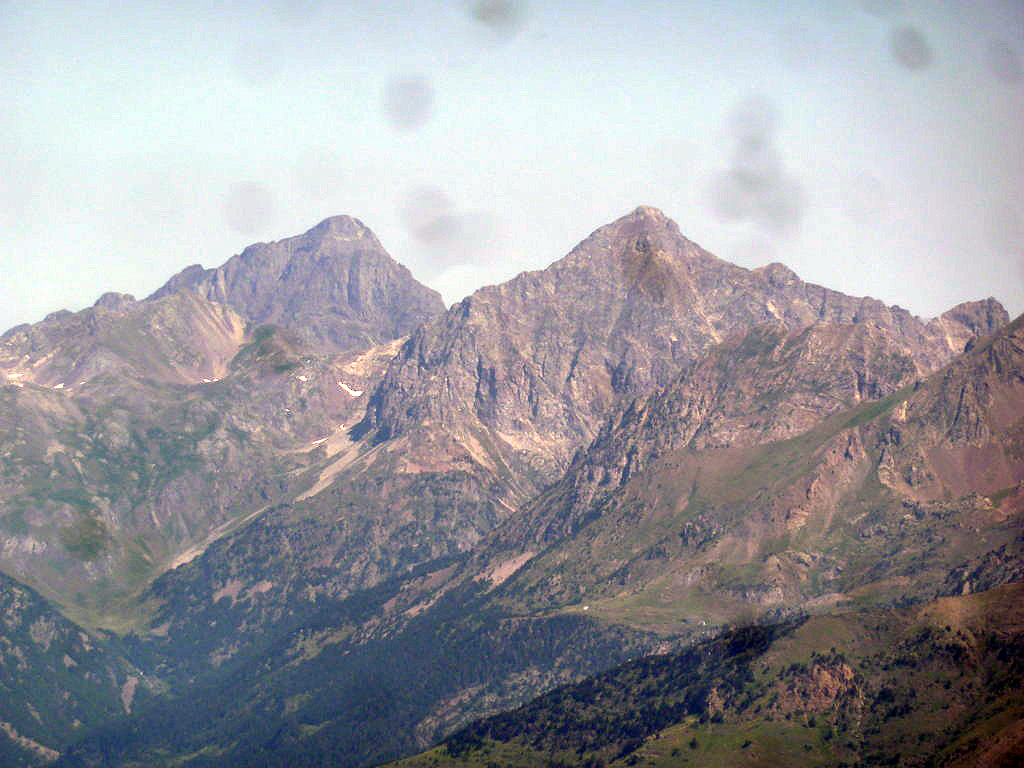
(936, 684)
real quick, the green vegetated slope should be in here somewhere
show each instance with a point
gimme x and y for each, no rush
(318, 692)
(934, 684)
(57, 682)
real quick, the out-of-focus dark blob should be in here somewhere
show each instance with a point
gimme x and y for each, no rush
(408, 101)
(502, 17)
(1003, 62)
(430, 216)
(909, 48)
(756, 187)
(880, 7)
(451, 237)
(250, 208)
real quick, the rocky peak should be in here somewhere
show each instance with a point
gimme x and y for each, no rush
(334, 284)
(341, 227)
(115, 302)
(540, 359)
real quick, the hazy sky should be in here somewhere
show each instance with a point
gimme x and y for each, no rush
(874, 146)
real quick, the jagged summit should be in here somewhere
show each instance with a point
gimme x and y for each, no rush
(343, 227)
(334, 284)
(114, 301)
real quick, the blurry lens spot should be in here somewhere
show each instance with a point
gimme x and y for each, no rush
(449, 236)
(755, 187)
(250, 208)
(909, 48)
(408, 102)
(503, 17)
(430, 216)
(1003, 62)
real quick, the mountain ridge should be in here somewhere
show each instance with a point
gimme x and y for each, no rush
(621, 454)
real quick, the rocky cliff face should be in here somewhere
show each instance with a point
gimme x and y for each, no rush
(180, 339)
(722, 498)
(963, 430)
(335, 285)
(537, 362)
(760, 386)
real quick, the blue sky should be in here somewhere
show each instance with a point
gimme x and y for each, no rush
(874, 146)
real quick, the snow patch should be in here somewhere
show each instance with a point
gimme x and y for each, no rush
(347, 388)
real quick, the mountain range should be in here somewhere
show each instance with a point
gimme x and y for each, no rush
(291, 511)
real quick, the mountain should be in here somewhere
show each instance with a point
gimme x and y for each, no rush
(134, 433)
(341, 548)
(780, 522)
(536, 362)
(928, 685)
(334, 285)
(485, 406)
(725, 496)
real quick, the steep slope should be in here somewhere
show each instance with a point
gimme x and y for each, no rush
(485, 406)
(935, 685)
(56, 681)
(335, 285)
(134, 433)
(537, 362)
(179, 339)
(675, 516)
(106, 485)
(354, 578)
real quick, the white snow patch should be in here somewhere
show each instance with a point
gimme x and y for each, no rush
(302, 378)
(60, 386)
(317, 442)
(15, 375)
(347, 388)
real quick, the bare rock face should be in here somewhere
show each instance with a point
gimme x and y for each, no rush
(963, 430)
(485, 406)
(335, 285)
(136, 432)
(538, 362)
(179, 338)
(764, 385)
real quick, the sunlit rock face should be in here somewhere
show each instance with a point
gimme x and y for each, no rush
(335, 285)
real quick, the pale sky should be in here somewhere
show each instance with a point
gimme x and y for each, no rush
(873, 146)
